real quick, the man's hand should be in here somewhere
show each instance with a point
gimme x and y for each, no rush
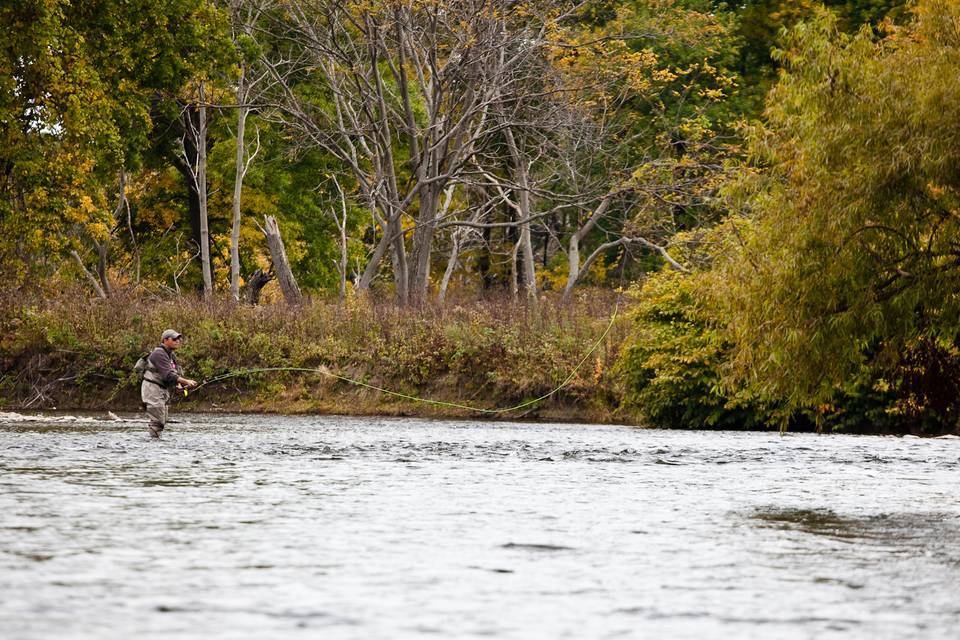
(190, 384)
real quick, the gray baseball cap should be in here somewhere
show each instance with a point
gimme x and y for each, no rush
(170, 333)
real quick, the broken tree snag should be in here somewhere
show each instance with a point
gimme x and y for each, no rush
(281, 266)
(256, 283)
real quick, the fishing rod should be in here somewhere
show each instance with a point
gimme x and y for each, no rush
(324, 371)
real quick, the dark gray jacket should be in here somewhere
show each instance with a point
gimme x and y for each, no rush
(162, 367)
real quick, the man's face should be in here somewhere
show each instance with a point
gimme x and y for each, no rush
(172, 343)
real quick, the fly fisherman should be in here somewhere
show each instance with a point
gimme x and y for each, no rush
(161, 376)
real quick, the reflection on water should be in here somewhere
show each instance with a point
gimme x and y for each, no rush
(901, 526)
(262, 526)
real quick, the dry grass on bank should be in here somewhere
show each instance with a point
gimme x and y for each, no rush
(74, 352)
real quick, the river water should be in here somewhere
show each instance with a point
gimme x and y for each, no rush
(306, 527)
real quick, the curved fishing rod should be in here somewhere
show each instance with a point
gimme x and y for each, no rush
(322, 370)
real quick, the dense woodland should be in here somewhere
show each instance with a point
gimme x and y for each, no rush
(767, 189)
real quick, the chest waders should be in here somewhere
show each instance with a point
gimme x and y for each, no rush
(154, 394)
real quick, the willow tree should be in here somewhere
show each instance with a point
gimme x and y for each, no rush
(851, 255)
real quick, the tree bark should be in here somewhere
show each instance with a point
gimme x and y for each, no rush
(522, 178)
(89, 276)
(373, 264)
(256, 283)
(342, 230)
(103, 249)
(245, 16)
(451, 265)
(573, 250)
(237, 191)
(202, 191)
(400, 275)
(187, 164)
(281, 265)
(423, 243)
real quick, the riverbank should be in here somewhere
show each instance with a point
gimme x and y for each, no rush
(588, 360)
(300, 395)
(71, 353)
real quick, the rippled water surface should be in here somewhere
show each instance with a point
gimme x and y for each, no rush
(309, 527)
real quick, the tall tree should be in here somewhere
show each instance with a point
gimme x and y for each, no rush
(851, 258)
(760, 23)
(195, 140)
(251, 82)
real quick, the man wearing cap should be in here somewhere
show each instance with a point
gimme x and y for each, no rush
(162, 375)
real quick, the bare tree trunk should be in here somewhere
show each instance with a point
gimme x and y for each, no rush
(423, 243)
(522, 179)
(514, 272)
(573, 250)
(342, 229)
(245, 15)
(237, 191)
(451, 265)
(529, 274)
(89, 276)
(243, 165)
(455, 241)
(288, 284)
(202, 191)
(343, 258)
(400, 275)
(373, 264)
(102, 249)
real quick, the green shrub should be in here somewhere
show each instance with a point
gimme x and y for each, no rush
(671, 364)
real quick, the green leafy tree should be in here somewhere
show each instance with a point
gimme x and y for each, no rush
(298, 190)
(78, 84)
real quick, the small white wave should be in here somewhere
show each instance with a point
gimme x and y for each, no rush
(10, 416)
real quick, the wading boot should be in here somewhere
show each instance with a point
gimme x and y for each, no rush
(155, 430)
